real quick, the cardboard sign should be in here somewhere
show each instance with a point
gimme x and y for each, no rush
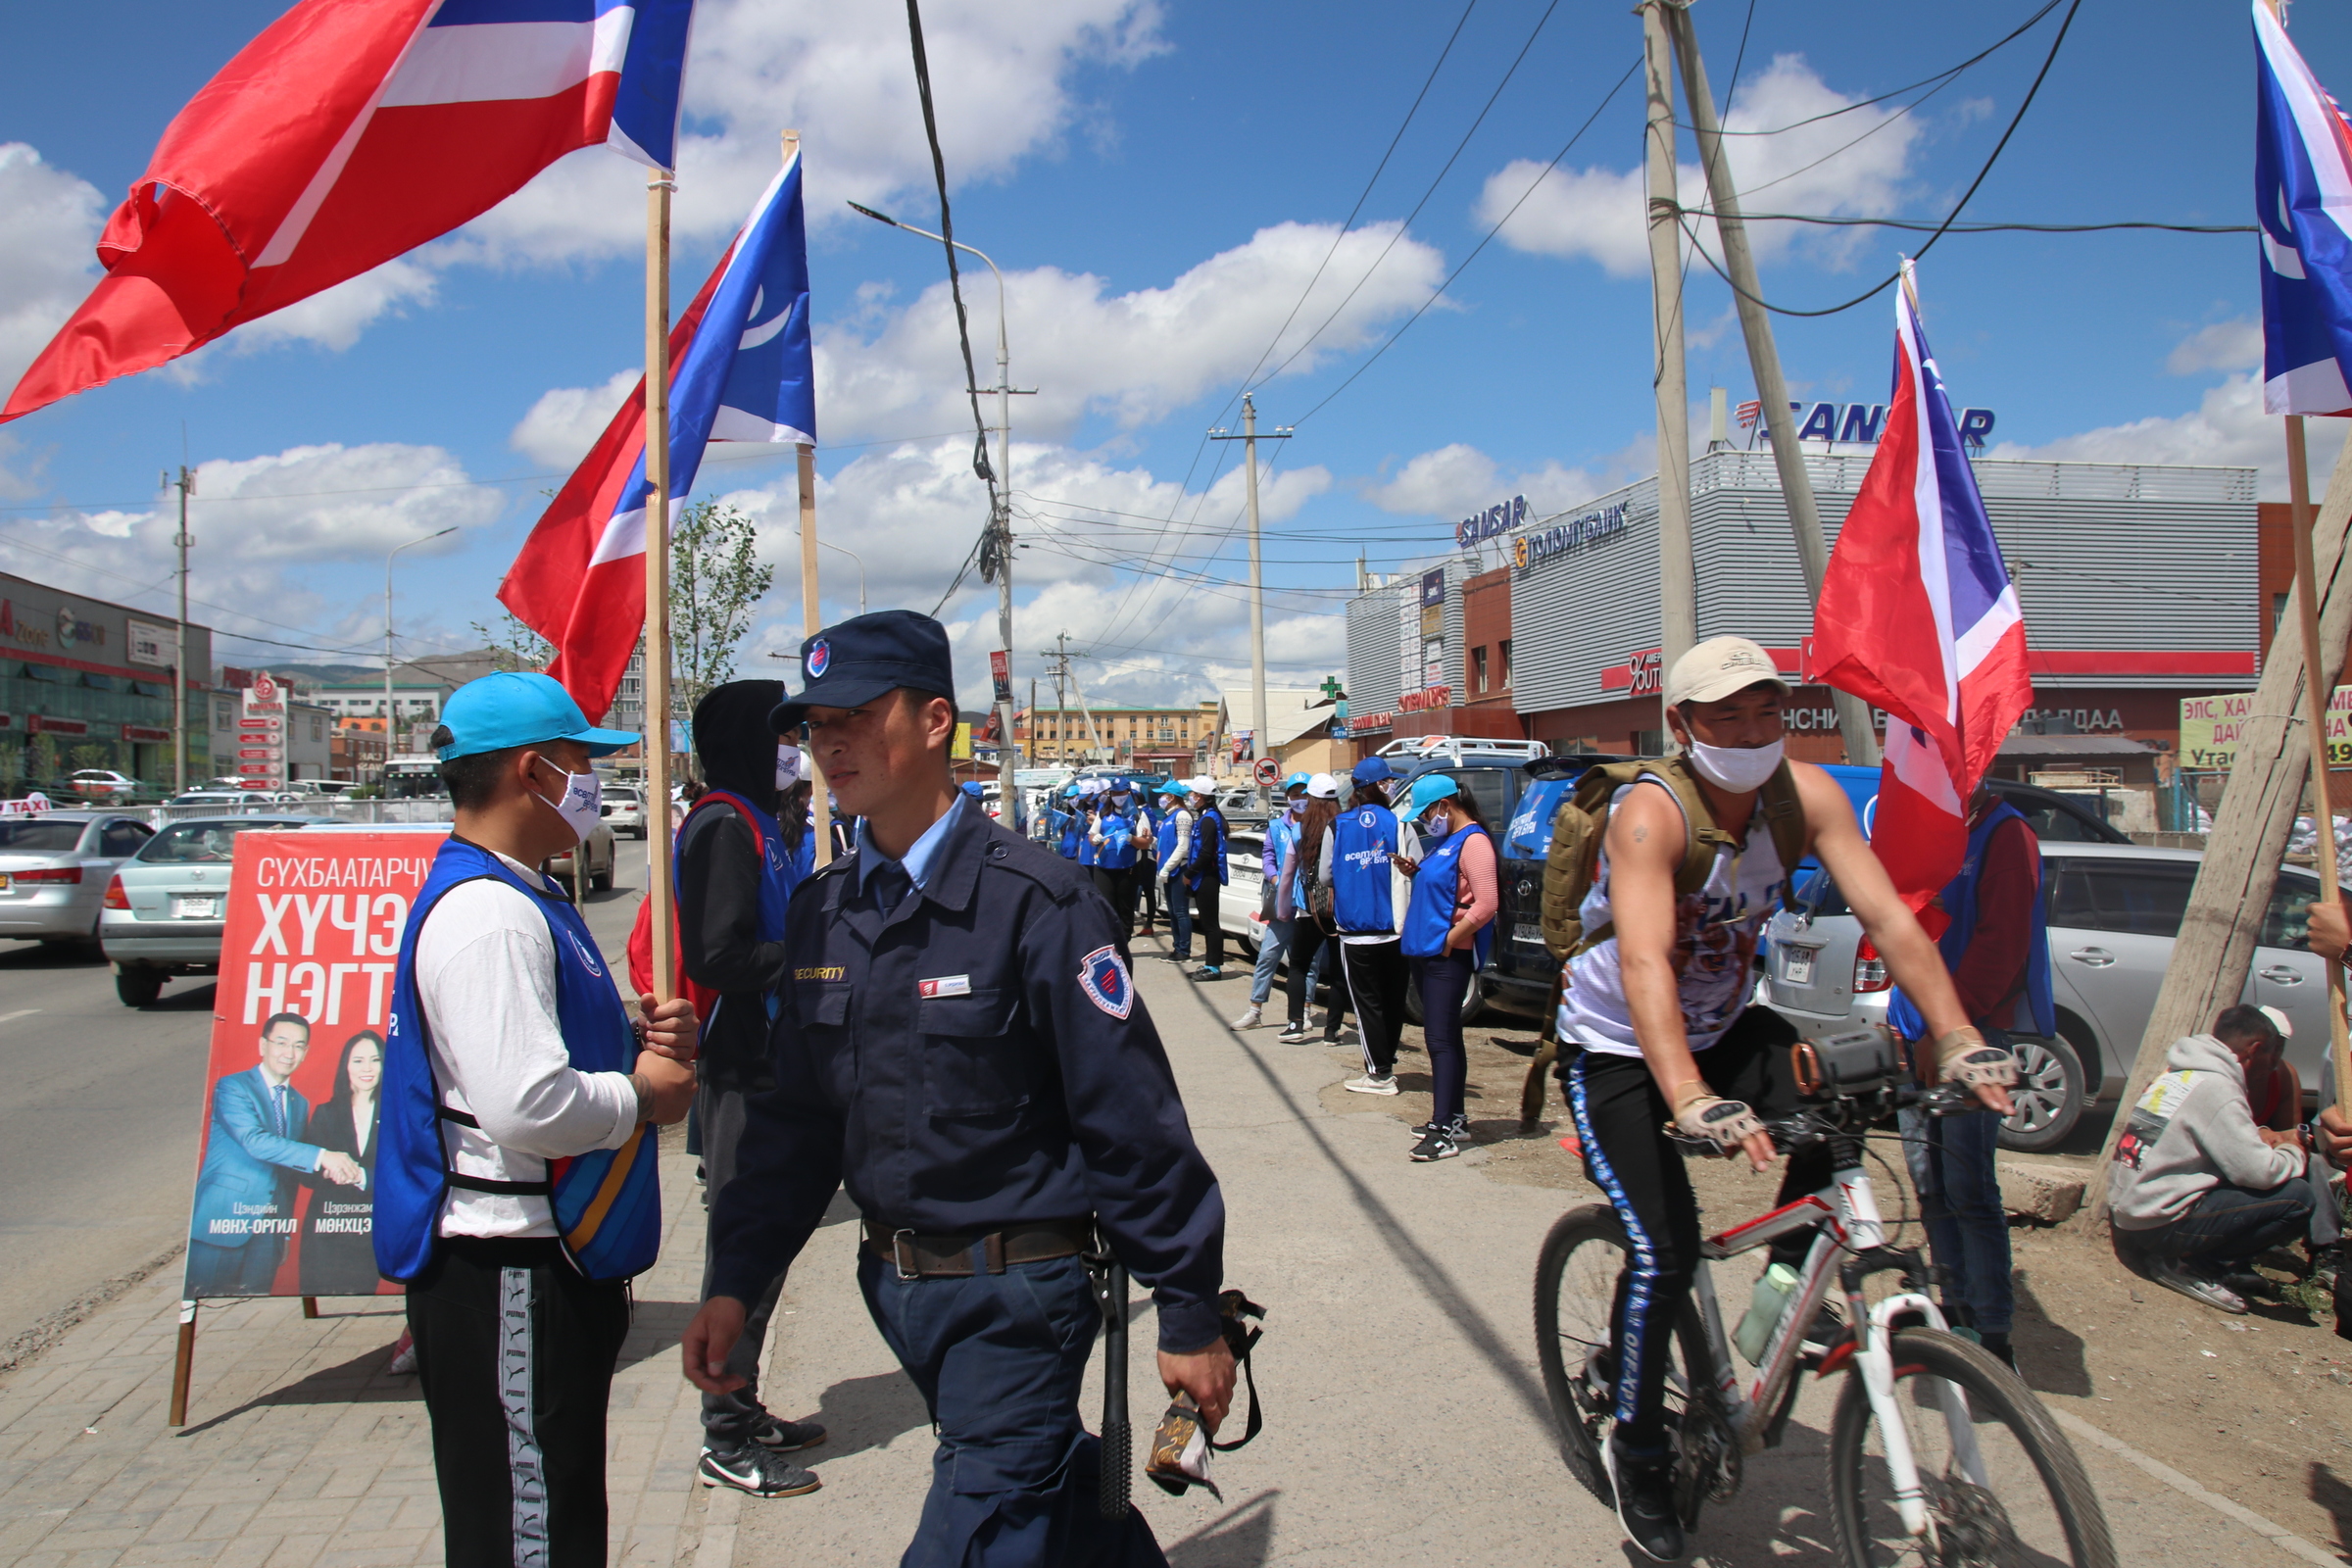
(284, 1198)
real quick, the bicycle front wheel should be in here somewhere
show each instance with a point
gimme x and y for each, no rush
(2002, 1485)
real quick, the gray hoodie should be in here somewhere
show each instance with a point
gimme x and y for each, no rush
(2190, 1132)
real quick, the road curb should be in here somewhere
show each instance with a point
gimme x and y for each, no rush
(2277, 1534)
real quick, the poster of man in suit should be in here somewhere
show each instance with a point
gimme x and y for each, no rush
(287, 1168)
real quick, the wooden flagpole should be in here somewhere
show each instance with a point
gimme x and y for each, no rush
(2316, 698)
(657, 574)
(820, 810)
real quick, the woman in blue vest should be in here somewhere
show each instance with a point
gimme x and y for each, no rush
(1368, 892)
(1174, 841)
(1448, 931)
(1113, 838)
(515, 1188)
(1208, 877)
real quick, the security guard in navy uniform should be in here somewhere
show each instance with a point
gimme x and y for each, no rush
(961, 1045)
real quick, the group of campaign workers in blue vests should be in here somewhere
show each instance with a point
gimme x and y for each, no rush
(1403, 898)
(1133, 848)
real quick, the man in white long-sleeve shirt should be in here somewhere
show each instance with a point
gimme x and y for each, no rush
(516, 1179)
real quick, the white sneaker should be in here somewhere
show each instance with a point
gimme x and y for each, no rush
(1249, 1018)
(404, 1356)
(1369, 1085)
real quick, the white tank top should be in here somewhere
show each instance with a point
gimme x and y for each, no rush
(1715, 934)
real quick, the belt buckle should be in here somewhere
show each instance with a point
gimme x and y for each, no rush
(901, 1254)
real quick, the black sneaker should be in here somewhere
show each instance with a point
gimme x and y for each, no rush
(774, 1433)
(1295, 1035)
(1439, 1144)
(749, 1467)
(1645, 1490)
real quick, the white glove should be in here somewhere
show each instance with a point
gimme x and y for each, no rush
(1965, 1059)
(1726, 1123)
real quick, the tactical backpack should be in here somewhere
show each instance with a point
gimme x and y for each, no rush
(1583, 820)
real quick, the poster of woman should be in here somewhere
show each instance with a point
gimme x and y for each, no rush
(337, 1256)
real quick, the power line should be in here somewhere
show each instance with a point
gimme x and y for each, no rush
(1440, 293)
(1942, 229)
(1918, 226)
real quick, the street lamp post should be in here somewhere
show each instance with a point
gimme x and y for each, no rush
(1001, 524)
(827, 544)
(388, 554)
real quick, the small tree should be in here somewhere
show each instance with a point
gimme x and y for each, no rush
(41, 759)
(514, 646)
(90, 754)
(716, 581)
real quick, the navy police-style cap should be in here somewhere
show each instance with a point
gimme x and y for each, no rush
(1372, 771)
(865, 657)
(501, 711)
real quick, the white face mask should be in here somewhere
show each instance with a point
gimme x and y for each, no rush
(1738, 768)
(582, 804)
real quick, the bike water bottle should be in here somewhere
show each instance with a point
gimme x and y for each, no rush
(1765, 1308)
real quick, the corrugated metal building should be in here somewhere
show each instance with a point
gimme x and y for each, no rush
(2138, 583)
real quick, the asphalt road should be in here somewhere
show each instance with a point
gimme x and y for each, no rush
(100, 1123)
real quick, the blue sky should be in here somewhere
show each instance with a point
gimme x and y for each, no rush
(1159, 183)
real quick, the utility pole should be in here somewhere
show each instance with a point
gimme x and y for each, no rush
(1033, 721)
(1065, 679)
(185, 484)
(1678, 609)
(1763, 358)
(1257, 592)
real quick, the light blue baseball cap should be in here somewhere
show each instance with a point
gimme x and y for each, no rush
(1296, 781)
(1427, 791)
(501, 711)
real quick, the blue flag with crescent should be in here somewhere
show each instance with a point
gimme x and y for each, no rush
(749, 374)
(2303, 201)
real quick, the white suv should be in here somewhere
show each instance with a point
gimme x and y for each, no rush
(624, 809)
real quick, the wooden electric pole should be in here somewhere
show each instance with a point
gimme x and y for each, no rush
(1678, 609)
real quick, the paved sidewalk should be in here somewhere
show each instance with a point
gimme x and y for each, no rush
(300, 1449)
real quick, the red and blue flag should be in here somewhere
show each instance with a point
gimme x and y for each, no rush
(1918, 616)
(2303, 202)
(348, 134)
(741, 370)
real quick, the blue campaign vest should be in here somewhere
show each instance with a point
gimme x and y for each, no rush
(1068, 825)
(780, 870)
(1361, 895)
(1437, 895)
(1120, 832)
(606, 1202)
(1282, 837)
(1959, 898)
(1084, 832)
(1167, 839)
(1209, 827)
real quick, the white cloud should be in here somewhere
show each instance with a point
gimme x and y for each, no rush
(46, 264)
(1001, 78)
(2235, 345)
(1598, 213)
(911, 515)
(334, 317)
(1454, 482)
(1137, 356)
(565, 422)
(2229, 427)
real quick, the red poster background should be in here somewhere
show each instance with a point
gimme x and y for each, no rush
(314, 926)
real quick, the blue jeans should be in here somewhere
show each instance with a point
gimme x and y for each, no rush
(1180, 912)
(2229, 1227)
(1274, 940)
(1951, 1160)
(999, 1358)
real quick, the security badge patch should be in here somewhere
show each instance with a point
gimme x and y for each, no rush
(1102, 975)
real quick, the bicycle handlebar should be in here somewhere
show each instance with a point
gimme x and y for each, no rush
(1811, 1124)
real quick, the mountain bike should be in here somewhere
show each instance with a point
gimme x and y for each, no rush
(1938, 1453)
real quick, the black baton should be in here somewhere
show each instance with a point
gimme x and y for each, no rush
(1118, 1437)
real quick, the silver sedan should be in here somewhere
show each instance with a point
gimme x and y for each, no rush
(53, 869)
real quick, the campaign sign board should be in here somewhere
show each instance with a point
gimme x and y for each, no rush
(285, 1198)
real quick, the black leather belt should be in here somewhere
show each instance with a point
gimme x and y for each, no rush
(955, 1257)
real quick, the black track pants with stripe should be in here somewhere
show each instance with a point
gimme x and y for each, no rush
(514, 1353)
(1620, 1118)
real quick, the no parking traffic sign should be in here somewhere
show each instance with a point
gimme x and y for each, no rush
(1266, 771)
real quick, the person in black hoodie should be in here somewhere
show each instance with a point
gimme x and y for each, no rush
(736, 866)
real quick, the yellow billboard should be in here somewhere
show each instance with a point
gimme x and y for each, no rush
(2212, 728)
